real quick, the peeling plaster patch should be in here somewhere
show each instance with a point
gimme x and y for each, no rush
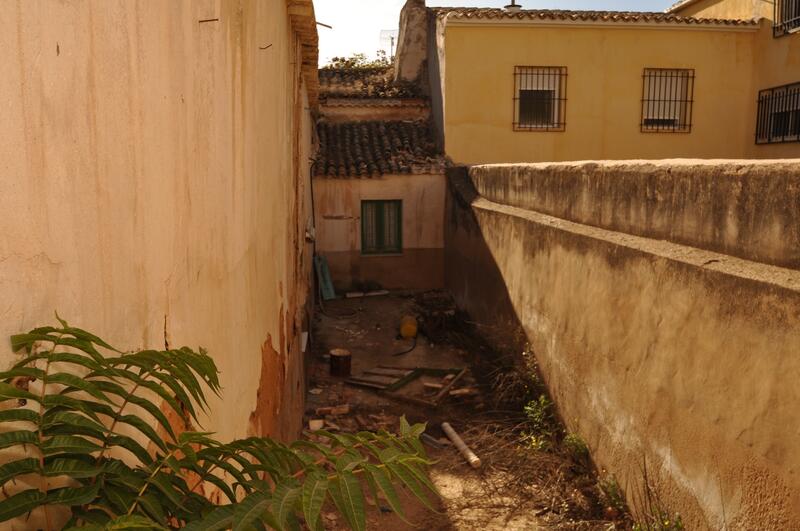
(283, 345)
(263, 419)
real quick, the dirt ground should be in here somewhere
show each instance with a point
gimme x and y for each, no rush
(516, 487)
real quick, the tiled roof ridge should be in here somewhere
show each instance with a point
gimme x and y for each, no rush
(331, 71)
(585, 15)
(369, 149)
(365, 82)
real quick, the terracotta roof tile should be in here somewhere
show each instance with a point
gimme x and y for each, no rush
(584, 16)
(371, 149)
(364, 83)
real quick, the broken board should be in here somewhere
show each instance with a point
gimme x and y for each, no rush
(388, 380)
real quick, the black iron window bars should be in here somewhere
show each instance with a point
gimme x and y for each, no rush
(787, 17)
(667, 100)
(778, 118)
(540, 98)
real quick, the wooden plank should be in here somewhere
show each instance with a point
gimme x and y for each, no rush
(409, 399)
(388, 372)
(449, 386)
(364, 383)
(378, 378)
(383, 380)
(413, 375)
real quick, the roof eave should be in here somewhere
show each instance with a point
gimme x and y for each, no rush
(304, 23)
(677, 25)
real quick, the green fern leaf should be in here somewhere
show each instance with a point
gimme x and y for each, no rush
(71, 423)
(383, 483)
(70, 496)
(74, 468)
(19, 414)
(20, 467)
(285, 500)
(130, 444)
(154, 507)
(315, 489)
(80, 384)
(133, 522)
(68, 444)
(14, 438)
(162, 483)
(348, 498)
(217, 520)
(410, 481)
(251, 509)
(8, 391)
(20, 503)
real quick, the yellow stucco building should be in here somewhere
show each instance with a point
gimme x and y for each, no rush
(514, 85)
(706, 79)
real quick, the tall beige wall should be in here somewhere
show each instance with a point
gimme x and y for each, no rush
(654, 351)
(154, 172)
(337, 205)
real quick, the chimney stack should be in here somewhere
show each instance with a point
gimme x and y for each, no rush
(412, 42)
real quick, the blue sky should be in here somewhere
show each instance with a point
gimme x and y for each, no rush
(357, 23)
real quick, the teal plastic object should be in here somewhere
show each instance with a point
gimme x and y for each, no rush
(324, 278)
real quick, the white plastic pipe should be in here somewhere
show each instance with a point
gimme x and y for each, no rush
(471, 458)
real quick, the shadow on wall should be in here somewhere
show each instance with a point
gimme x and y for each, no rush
(652, 349)
(467, 257)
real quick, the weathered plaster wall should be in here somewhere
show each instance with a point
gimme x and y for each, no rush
(155, 185)
(747, 208)
(652, 350)
(412, 42)
(337, 204)
(436, 75)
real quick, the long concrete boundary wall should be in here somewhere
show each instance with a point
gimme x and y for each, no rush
(749, 209)
(659, 354)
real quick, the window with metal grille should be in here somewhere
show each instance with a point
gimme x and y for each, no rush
(540, 98)
(381, 226)
(778, 118)
(667, 98)
(787, 17)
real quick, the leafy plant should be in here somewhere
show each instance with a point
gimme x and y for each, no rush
(651, 513)
(541, 423)
(540, 415)
(577, 448)
(613, 494)
(360, 61)
(92, 428)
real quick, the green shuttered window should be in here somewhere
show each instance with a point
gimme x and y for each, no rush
(381, 227)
